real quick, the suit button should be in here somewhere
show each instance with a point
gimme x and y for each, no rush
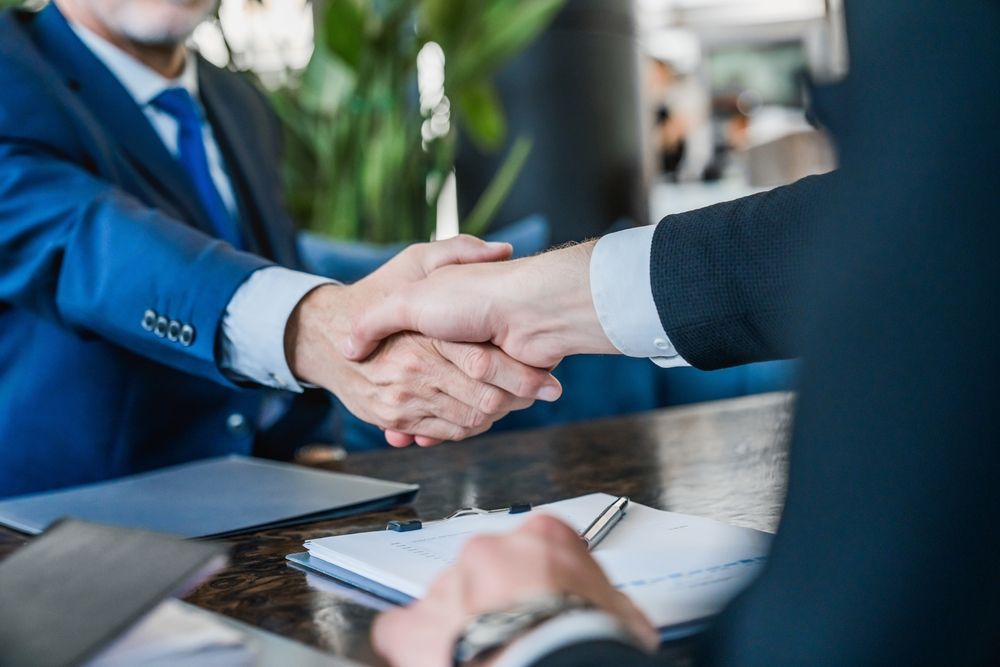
(162, 324)
(237, 425)
(173, 331)
(149, 320)
(186, 335)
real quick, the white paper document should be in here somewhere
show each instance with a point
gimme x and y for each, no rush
(677, 568)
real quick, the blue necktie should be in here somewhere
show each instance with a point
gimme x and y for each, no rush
(192, 155)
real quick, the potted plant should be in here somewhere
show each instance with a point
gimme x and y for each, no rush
(370, 143)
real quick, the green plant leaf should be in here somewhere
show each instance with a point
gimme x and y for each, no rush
(481, 112)
(344, 29)
(326, 83)
(444, 21)
(504, 29)
(478, 221)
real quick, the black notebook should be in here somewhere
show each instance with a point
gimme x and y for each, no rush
(71, 591)
(209, 498)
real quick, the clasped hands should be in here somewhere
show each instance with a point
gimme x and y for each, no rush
(446, 338)
(417, 389)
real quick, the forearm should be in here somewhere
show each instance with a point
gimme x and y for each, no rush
(599, 653)
(95, 260)
(724, 278)
(545, 304)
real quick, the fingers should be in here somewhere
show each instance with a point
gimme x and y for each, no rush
(493, 573)
(585, 577)
(439, 418)
(378, 321)
(424, 633)
(404, 305)
(553, 530)
(397, 439)
(462, 249)
(436, 431)
(492, 366)
(416, 391)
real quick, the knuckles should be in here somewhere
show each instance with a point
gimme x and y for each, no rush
(412, 363)
(397, 398)
(530, 382)
(478, 363)
(396, 418)
(491, 400)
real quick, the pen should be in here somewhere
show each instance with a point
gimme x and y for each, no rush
(604, 522)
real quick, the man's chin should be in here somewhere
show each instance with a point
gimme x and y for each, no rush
(162, 24)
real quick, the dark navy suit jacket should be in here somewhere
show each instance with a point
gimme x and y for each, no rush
(884, 278)
(98, 224)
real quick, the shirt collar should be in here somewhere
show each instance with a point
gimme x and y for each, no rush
(142, 82)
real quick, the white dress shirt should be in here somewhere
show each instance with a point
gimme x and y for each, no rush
(253, 327)
(623, 296)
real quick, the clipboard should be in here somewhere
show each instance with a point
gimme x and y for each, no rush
(679, 569)
(304, 562)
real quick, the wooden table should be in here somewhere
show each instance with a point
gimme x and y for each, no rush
(725, 460)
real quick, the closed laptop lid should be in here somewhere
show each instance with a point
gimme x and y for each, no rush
(213, 497)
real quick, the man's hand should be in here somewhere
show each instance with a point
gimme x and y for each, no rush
(495, 573)
(411, 385)
(537, 310)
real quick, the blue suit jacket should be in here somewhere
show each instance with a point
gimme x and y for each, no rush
(98, 225)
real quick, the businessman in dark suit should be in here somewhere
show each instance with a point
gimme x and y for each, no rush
(883, 278)
(148, 297)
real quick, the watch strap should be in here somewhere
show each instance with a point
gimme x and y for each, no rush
(490, 631)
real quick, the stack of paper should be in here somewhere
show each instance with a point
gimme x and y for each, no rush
(679, 569)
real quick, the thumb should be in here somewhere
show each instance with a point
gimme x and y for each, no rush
(376, 322)
(463, 249)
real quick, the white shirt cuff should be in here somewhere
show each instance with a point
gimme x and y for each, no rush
(623, 296)
(562, 631)
(253, 328)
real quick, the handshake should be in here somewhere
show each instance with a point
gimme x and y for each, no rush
(447, 337)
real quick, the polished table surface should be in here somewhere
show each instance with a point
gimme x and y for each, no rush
(724, 460)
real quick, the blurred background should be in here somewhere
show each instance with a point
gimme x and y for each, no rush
(535, 121)
(538, 122)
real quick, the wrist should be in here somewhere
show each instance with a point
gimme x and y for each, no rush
(322, 316)
(555, 309)
(559, 632)
(487, 635)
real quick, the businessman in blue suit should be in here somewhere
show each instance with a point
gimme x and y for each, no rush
(149, 304)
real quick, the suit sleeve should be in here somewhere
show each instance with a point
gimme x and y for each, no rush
(723, 277)
(79, 252)
(600, 654)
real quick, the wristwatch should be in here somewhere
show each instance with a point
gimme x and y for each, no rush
(488, 632)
